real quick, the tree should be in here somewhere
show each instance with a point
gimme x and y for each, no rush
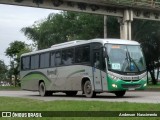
(67, 26)
(147, 33)
(14, 51)
(3, 70)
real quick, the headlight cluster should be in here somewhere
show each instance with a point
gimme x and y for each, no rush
(145, 85)
(113, 77)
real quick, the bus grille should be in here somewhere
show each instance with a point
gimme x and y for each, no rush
(131, 85)
(131, 80)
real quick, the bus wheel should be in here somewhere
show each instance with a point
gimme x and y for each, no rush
(120, 93)
(42, 89)
(71, 93)
(89, 93)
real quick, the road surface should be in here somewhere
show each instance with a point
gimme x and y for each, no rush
(131, 96)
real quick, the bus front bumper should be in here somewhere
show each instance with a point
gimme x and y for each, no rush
(121, 85)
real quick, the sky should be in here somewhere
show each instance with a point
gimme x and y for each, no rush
(12, 20)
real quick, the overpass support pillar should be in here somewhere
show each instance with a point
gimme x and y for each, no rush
(125, 25)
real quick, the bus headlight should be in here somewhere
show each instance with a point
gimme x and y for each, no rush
(145, 85)
(114, 85)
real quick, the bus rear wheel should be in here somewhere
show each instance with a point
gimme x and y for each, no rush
(120, 93)
(88, 91)
(42, 90)
(71, 93)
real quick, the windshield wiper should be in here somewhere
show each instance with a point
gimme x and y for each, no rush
(131, 59)
(127, 58)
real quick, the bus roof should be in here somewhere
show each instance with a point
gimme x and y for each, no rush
(81, 42)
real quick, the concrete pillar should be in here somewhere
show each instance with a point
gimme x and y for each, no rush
(125, 25)
(105, 26)
(129, 26)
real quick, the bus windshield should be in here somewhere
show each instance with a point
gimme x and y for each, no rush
(125, 58)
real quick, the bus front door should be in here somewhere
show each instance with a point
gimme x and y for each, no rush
(96, 70)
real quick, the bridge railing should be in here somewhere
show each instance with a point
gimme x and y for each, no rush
(136, 3)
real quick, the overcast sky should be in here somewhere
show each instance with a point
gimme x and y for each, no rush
(12, 19)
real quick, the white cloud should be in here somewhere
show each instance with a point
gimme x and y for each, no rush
(13, 19)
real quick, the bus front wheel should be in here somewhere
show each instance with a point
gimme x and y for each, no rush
(120, 93)
(89, 93)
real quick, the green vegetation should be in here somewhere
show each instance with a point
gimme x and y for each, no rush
(67, 26)
(154, 86)
(9, 88)
(3, 70)
(14, 51)
(19, 104)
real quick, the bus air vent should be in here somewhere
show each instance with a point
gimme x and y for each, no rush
(131, 86)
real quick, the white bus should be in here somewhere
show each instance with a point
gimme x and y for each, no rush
(91, 66)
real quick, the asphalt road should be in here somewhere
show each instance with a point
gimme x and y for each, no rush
(131, 96)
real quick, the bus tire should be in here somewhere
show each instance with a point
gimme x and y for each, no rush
(89, 93)
(42, 89)
(71, 93)
(120, 93)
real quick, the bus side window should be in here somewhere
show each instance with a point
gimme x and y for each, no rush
(78, 55)
(67, 56)
(35, 62)
(58, 58)
(86, 53)
(53, 59)
(44, 60)
(96, 58)
(103, 64)
(82, 54)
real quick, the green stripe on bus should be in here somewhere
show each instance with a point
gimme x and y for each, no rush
(35, 76)
(79, 71)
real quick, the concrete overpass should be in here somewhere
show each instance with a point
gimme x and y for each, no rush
(125, 10)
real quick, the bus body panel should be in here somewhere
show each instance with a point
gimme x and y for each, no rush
(30, 79)
(104, 81)
(72, 76)
(97, 79)
(57, 79)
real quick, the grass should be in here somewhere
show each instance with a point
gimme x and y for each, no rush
(20, 104)
(150, 85)
(9, 88)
